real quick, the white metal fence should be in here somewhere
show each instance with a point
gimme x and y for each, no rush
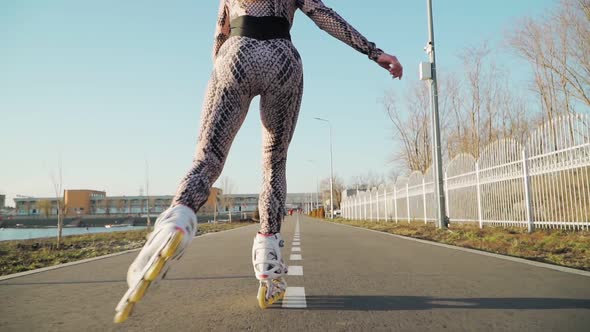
(543, 183)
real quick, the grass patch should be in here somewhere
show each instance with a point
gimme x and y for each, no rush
(24, 255)
(559, 247)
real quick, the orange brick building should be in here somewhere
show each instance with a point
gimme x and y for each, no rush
(80, 202)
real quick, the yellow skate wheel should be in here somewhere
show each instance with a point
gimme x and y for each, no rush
(262, 297)
(155, 270)
(275, 298)
(170, 249)
(278, 297)
(122, 315)
(140, 291)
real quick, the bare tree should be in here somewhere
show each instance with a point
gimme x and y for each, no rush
(482, 106)
(412, 127)
(367, 180)
(558, 48)
(226, 200)
(338, 186)
(477, 107)
(61, 204)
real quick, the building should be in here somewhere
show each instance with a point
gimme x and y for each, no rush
(92, 202)
(98, 203)
(249, 202)
(237, 203)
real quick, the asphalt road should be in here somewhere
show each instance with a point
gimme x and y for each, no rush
(353, 280)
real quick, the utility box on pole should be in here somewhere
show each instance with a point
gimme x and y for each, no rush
(425, 71)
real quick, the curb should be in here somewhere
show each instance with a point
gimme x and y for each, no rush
(478, 252)
(88, 260)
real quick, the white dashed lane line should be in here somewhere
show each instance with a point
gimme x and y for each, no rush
(295, 298)
(295, 270)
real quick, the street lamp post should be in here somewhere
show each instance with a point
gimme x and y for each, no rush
(437, 155)
(331, 171)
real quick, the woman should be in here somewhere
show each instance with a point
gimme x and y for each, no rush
(253, 55)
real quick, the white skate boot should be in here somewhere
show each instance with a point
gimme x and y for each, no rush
(269, 268)
(173, 231)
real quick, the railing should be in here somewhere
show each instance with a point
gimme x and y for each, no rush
(544, 183)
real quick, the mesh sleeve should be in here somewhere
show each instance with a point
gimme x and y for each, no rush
(328, 20)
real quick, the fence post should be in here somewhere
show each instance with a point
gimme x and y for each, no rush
(371, 204)
(527, 191)
(479, 211)
(424, 198)
(395, 202)
(347, 209)
(377, 201)
(446, 184)
(386, 212)
(365, 207)
(408, 200)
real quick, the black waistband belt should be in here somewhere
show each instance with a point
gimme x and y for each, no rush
(262, 28)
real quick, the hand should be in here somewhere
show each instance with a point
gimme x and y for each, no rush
(392, 65)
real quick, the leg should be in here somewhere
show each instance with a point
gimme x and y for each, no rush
(279, 112)
(224, 111)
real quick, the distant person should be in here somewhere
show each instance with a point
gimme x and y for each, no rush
(253, 56)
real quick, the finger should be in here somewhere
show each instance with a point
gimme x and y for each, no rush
(396, 73)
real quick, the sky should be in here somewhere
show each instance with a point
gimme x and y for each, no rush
(114, 89)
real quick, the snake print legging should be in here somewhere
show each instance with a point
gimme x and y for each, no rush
(245, 68)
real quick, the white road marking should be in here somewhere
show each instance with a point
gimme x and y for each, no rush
(296, 243)
(295, 298)
(295, 270)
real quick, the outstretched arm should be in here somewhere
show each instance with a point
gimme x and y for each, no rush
(328, 20)
(222, 29)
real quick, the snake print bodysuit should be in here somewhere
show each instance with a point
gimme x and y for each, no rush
(244, 68)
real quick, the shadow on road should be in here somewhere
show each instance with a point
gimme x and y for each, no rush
(384, 303)
(78, 282)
